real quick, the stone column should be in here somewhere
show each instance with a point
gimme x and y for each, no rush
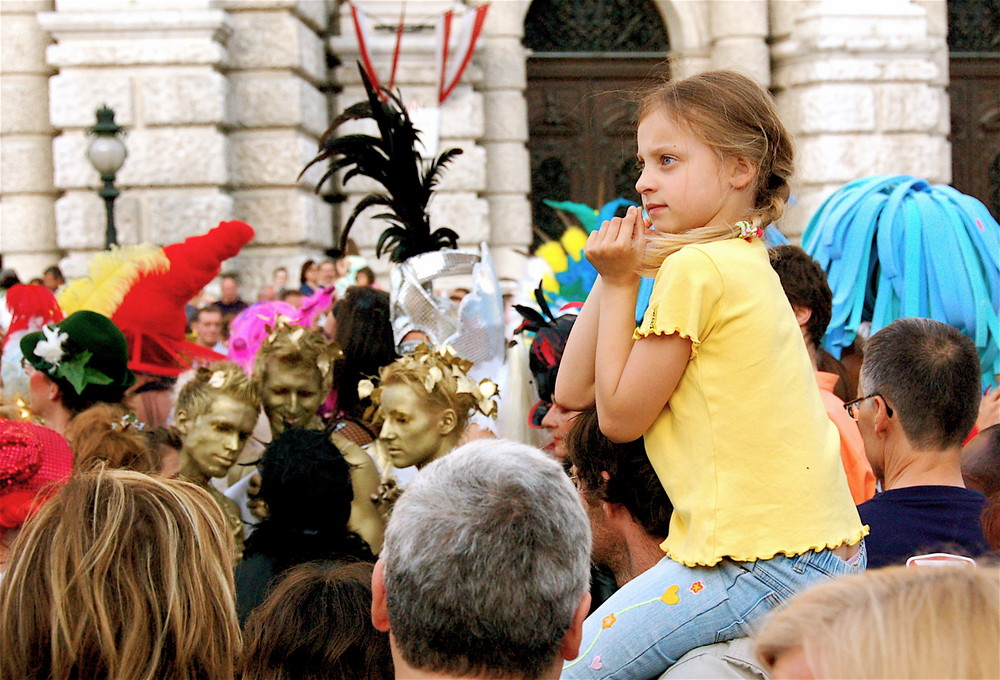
(503, 60)
(160, 70)
(27, 194)
(861, 87)
(456, 203)
(739, 38)
(278, 110)
(688, 26)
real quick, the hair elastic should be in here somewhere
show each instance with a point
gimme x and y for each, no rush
(748, 231)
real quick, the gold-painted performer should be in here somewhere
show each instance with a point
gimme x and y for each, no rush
(294, 369)
(424, 402)
(215, 415)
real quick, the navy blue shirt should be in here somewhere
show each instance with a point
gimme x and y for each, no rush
(916, 520)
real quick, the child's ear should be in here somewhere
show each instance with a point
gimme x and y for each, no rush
(742, 173)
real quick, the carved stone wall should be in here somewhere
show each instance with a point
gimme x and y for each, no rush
(225, 100)
(160, 71)
(862, 88)
(27, 193)
(223, 103)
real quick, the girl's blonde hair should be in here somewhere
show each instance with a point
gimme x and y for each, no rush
(736, 117)
(123, 576)
(898, 622)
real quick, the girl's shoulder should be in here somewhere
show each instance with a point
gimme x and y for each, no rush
(729, 254)
(723, 254)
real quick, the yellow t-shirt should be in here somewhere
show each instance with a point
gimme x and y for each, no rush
(744, 447)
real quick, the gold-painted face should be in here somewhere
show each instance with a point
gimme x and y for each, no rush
(413, 431)
(292, 395)
(214, 438)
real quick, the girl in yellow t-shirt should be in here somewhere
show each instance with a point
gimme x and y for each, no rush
(716, 380)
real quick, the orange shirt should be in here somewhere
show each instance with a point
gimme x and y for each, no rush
(860, 477)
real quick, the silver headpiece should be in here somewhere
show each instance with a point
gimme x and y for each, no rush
(474, 327)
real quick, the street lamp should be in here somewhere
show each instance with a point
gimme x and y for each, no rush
(107, 153)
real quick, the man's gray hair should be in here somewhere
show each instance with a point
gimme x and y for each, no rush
(486, 556)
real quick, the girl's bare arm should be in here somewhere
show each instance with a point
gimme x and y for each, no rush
(633, 379)
(575, 380)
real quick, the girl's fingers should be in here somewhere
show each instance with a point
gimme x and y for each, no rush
(611, 229)
(625, 233)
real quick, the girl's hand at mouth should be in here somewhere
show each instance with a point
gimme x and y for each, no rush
(617, 248)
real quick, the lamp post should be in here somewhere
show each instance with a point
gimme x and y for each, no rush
(106, 153)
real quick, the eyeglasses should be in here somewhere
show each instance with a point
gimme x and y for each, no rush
(851, 406)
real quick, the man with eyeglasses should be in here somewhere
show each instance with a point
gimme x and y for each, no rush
(919, 398)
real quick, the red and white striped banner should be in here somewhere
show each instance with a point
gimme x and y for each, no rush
(451, 73)
(364, 35)
(451, 63)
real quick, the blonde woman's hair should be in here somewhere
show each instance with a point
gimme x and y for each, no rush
(737, 118)
(123, 576)
(109, 433)
(293, 346)
(898, 622)
(221, 378)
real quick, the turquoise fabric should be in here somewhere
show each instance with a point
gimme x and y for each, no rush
(897, 246)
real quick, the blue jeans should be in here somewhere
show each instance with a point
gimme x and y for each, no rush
(667, 611)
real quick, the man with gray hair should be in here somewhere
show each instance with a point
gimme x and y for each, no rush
(917, 401)
(484, 570)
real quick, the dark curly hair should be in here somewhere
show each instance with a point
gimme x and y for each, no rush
(306, 483)
(631, 481)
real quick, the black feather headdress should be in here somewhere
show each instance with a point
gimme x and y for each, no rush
(393, 161)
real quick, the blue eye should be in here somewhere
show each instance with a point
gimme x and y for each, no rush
(667, 160)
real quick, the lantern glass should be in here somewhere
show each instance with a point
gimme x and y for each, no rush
(107, 154)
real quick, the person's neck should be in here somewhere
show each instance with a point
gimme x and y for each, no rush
(906, 466)
(642, 552)
(406, 672)
(447, 444)
(191, 472)
(811, 349)
(57, 418)
(7, 537)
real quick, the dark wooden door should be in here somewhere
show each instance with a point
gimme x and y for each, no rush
(974, 93)
(589, 59)
(582, 116)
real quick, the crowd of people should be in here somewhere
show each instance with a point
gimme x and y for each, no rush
(315, 485)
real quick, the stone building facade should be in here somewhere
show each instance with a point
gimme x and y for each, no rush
(225, 101)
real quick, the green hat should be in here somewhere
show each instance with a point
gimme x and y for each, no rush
(86, 352)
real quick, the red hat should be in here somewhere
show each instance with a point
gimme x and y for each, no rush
(152, 314)
(32, 459)
(31, 307)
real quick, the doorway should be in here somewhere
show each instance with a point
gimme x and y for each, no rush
(589, 59)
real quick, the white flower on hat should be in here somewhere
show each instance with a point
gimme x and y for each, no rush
(51, 348)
